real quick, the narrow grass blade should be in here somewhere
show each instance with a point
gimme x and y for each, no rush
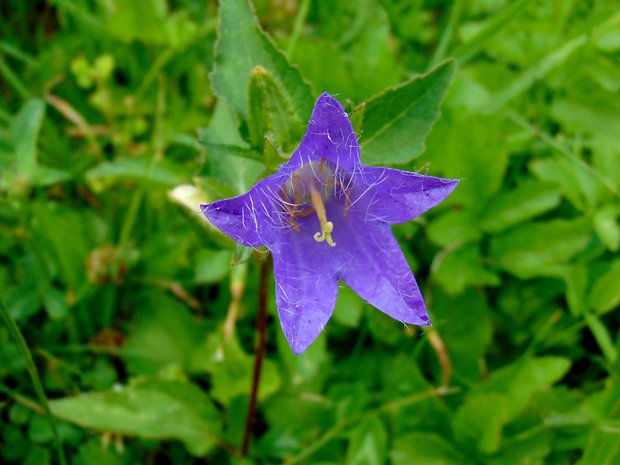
(34, 375)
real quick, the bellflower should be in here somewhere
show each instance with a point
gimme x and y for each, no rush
(326, 217)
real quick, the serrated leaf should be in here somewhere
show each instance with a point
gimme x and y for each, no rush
(242, 46)
(151, 409)
(527, 201)
(271, 114)
(397, 121)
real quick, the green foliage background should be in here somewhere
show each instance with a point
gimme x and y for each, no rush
(143, 334)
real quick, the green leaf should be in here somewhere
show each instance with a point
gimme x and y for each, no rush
(231, 368)
(139, 169)
(540, 249)
(55, 303)
(463, 267)
(454, 226)
(422, 448)
(576, 279)
(368, 443)
(535, 73)
(272, 114)
(607, 227)
(231, 169)
(348, 309)
(165, 333)
(212, 265)
(495, 25)
(525, 448)
(451, 145)
(221, 150)
(24, 131)
(38, 456)
(397, 121)
(576, 184)
(147, 409)
(91, 453)
(54, 219)
(592, 113)
(603, 447)
(242, 46)
(603, 337)
(486, 410)
(605, 293)
(464, 323)
(527, 201)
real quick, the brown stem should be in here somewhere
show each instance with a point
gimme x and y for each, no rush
(259, 352)
(442, 354)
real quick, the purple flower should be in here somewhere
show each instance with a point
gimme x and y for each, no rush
(326, 217)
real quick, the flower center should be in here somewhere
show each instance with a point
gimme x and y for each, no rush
(303, 195)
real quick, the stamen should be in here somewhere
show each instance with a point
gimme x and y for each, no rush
(326, 226)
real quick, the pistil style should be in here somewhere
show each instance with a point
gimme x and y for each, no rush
(326, 226)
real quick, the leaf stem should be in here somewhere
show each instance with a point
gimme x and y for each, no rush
(34, 375)
(300, 19)
(442, 355)
(259, 352)
(447, 34)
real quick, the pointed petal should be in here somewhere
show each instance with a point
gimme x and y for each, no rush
(306, 289)
(254, 218)
(378, 272)
(329, 135)
(399, 196)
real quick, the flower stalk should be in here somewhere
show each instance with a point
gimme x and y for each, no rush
(259, 352)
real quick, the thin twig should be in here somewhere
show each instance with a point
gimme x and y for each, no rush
(442, 355)
(259, 352)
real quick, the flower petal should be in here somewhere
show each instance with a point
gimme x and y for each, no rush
(252, 218)
(399, 196)
(330, 136)
(378, 272)
(306, 289)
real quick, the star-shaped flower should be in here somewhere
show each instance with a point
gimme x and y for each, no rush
(326, 217)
